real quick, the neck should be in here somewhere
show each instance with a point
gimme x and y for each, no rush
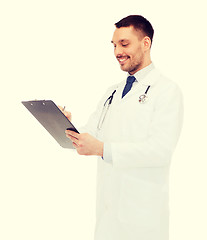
(144, 64)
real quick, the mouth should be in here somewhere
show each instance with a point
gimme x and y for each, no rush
(122, 60)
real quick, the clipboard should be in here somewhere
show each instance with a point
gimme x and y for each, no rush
(52, 119)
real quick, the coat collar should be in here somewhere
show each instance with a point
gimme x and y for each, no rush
(141, 74)
(150, 78)
(147, 76)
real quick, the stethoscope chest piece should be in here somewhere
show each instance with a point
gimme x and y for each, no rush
(143, 98)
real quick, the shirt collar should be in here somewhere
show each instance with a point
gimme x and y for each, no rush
(143, 72)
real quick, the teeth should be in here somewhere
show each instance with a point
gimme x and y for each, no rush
(122, 59)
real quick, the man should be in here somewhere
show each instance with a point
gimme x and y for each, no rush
(134, 131)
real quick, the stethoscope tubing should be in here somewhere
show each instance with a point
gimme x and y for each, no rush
(109, 100)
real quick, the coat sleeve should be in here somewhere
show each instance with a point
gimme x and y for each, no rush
(156, 150)
(92, 124)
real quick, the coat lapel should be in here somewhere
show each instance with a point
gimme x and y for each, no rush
(142, 85)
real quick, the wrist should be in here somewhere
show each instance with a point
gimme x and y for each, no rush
(100, 149)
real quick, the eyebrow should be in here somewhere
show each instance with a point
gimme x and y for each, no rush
(121, 41)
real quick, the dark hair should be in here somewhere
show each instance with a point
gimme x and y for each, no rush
(139, 23)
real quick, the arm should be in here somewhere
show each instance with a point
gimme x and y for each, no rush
(156, 150)
(86, 143)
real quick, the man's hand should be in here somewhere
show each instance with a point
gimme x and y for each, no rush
(66, 113)
(85, 144)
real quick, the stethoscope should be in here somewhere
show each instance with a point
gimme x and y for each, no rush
(142, 99)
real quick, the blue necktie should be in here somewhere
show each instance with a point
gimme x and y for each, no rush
(128, 86)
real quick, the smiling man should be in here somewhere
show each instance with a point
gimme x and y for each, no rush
(132, 47)
(134, 131)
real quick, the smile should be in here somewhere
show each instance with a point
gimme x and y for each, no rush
(122, 60)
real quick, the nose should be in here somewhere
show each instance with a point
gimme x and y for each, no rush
(118, 51)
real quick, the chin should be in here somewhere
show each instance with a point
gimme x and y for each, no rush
(124, 69)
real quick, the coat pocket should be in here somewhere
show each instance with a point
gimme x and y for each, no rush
(140, 203)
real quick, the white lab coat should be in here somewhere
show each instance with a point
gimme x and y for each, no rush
(132, 191)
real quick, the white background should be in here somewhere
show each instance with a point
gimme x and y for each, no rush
(61, 50)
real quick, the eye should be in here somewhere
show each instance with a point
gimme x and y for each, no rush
(125, 45)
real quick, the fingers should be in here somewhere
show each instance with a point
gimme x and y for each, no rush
(85, 143)
(73, 136)
(61, 108)
(75, 141)
(66, 113)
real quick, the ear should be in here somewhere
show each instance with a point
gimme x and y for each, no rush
(146, 43)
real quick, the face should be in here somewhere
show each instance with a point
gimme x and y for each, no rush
(130, 49)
